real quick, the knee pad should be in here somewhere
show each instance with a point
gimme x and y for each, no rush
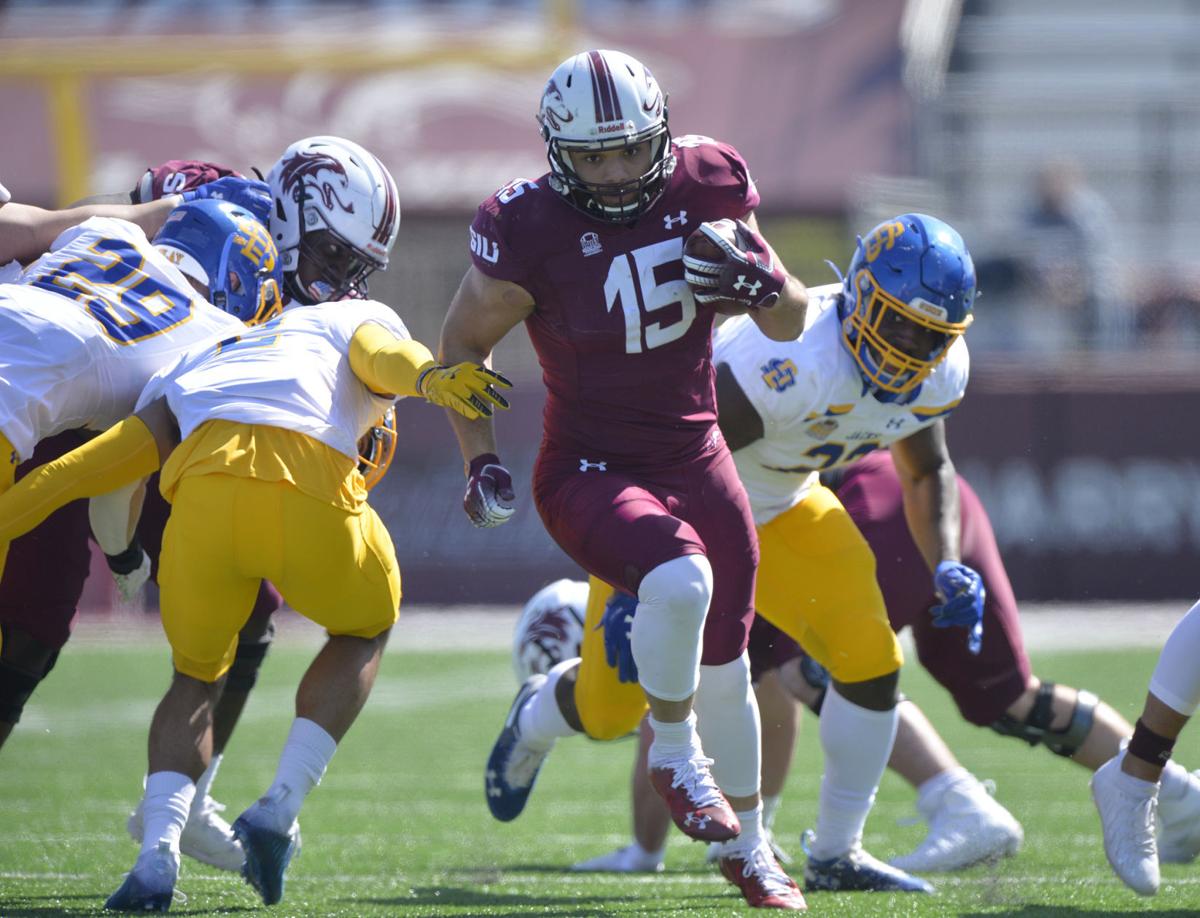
(672, 603)
(247, 660)
(728, 722)
(1036, 726)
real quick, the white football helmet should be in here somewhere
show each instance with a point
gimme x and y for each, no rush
(332, 185)
(550, 629)
(605, 100)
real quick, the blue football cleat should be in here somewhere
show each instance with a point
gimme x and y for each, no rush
(150, 885)
(513, 766)
(268, 851)
(857, 871)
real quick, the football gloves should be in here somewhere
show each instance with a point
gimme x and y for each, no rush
(130, 570)
(749, 274)
(489, 498)
(617, 623)
(471, 389)
(251, 194)
(961, 590)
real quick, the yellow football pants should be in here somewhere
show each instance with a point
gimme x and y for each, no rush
(225, 534)
(8, 473)
(816, 583)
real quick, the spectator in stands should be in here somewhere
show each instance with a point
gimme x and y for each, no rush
(1071, 257)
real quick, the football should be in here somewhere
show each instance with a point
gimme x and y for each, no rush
(698, 245)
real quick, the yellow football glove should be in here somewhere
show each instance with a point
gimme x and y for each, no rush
(468, 388)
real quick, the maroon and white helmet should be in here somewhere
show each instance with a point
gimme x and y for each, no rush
(332, 184)
(550, 629)
(605, 100)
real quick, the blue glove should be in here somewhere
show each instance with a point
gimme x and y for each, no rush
(961, 591)
(617, 623)
(253, 195)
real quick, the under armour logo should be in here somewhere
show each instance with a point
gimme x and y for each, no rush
(750, 288)
(695, 819)
(895, 423)
(14, 459)
(670, 222)
(584, 465)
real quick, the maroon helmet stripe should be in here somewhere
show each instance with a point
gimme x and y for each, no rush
(603, 90)
(384, 229)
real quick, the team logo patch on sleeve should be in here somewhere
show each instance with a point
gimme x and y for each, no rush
(779, 374)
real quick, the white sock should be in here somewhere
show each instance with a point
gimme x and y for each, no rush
(302, 764)
(727, 718)
(770, 805)
(540, 720)
(1134, 786)
(857, 743)
(205, 783)
(673, 740)
(752, 826)
(165, 808)
(1176, 679)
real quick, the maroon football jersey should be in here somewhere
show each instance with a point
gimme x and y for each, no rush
(625, 350)
(177, 175)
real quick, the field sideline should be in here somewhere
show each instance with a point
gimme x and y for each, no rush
(399, 826)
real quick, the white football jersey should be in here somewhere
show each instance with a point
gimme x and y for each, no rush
(85, 326)
(816, 411)
(293, 372)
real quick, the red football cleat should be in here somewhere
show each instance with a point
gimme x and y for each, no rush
(696, 803)
(763, 882)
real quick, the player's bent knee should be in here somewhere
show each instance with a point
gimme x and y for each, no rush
(1035, 727)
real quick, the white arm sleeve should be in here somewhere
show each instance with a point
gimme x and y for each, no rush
(114, 517)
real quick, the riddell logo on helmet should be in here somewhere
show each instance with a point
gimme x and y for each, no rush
(619, 127)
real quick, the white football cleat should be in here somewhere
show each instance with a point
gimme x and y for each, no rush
(207, 837)
(1179, 825)
(966, 826)
(1127, 814)
(630, 859)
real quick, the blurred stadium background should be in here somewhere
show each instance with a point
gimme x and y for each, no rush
(1060, 138)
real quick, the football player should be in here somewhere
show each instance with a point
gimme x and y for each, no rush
(334, 212)
(258, 435)
(81, 332)
(1132, 789)
(845, 389)
(632, 479)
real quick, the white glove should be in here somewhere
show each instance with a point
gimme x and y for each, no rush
(130, 585)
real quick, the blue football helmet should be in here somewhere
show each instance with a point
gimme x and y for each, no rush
(223, 246)
(907, 296)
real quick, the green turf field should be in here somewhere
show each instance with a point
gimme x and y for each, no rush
(400, 826)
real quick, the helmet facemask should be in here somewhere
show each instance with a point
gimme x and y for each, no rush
(896, 344)
(377, 449)
(636, 195)
(333, 268)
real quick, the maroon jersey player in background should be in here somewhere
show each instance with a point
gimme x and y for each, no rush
(632, 479)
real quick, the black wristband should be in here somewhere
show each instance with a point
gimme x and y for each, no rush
(127, 561)
(1150, 746)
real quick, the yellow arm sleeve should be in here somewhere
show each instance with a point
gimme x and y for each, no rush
(122, 454)
(386, 364)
